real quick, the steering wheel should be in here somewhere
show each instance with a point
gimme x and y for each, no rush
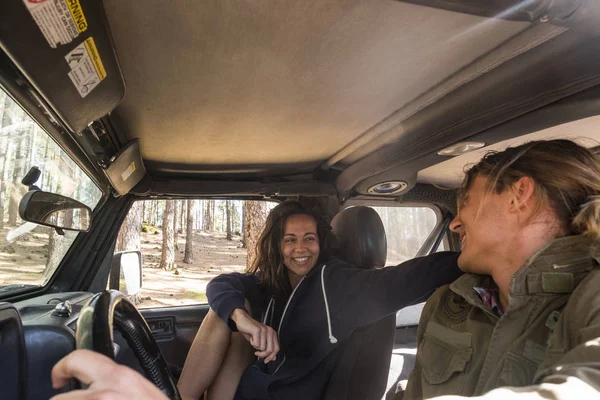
(95, 332)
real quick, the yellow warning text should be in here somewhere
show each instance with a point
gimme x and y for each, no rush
(90, 46)
(77, 14)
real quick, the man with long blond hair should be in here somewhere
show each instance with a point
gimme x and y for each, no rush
(526, 316)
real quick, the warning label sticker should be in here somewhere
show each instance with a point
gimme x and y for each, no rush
(128, 171)
(87, 70)
(60, 21)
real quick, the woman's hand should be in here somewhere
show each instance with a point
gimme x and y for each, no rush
(262, 337)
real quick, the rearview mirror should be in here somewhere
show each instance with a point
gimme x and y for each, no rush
(55, 210)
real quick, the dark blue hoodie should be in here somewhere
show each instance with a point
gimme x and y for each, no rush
(323, 310)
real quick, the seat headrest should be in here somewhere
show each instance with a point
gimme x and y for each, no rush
(360, 237)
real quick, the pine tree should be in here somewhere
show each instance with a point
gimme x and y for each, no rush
(167, 260)
(188, 257)
(255, 215)
(129, 235)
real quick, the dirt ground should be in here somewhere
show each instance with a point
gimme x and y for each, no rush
(23, 262)
(213, 255)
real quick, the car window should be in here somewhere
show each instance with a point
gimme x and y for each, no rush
(186, 243)
(30, 254)
(406, 229)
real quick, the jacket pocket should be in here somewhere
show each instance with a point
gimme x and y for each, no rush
(444, 355)
(517, 371)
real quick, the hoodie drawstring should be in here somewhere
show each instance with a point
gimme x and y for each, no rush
(287, 304)
(332, 338)
(267, 312)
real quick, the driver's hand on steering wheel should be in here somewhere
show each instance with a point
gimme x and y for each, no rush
(106, 379)
(262, 337)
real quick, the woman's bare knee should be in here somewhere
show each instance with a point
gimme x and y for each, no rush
(206, 356)
(239, 356)
(216, 356)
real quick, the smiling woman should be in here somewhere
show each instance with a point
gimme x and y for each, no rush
(298, 305)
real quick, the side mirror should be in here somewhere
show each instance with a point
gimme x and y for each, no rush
(126, 272)
(55, 210)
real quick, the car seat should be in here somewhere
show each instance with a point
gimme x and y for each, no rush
(362, 369)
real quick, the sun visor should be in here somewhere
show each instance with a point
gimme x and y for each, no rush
(127, 169)
(64, 49)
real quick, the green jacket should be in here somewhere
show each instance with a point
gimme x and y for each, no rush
(547, 340)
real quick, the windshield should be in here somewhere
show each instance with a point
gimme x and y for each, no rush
(30, 254)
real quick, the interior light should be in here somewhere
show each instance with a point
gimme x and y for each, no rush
(389, 187)
(460, 148)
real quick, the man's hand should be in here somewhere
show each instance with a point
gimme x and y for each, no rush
(107, 380)
(262, 337)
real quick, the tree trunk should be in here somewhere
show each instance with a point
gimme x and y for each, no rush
(213, 213)
(255, 215)
(199, 214)
(183, 216)
(144, 212)
(175, 223)
(151, 219)
(17, 189)
(129, 235)
(154, 212)
(32, 147)
(235, 218)
(4, 143)
(223, 211)
(242, 227)
(208, 215)
(188, 258)
(4, 146)
(45, 159)
(204, 211)
(167, 259)
(228, 216)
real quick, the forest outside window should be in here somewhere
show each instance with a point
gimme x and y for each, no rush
(187, 242)
(406, 229)
(30, 258)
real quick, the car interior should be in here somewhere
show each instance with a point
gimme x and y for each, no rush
(351, 103)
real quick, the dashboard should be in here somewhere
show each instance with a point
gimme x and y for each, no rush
(49, 335)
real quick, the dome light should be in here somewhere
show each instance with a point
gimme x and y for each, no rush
(460, 148)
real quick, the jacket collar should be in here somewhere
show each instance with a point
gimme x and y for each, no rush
(556, 269)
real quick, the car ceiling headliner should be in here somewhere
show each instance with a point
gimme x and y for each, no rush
(450, 173)
(262, 87)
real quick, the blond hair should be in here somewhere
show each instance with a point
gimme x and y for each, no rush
(566, 177)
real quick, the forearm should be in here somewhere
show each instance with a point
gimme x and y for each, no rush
(228, 292)
(367, 296)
